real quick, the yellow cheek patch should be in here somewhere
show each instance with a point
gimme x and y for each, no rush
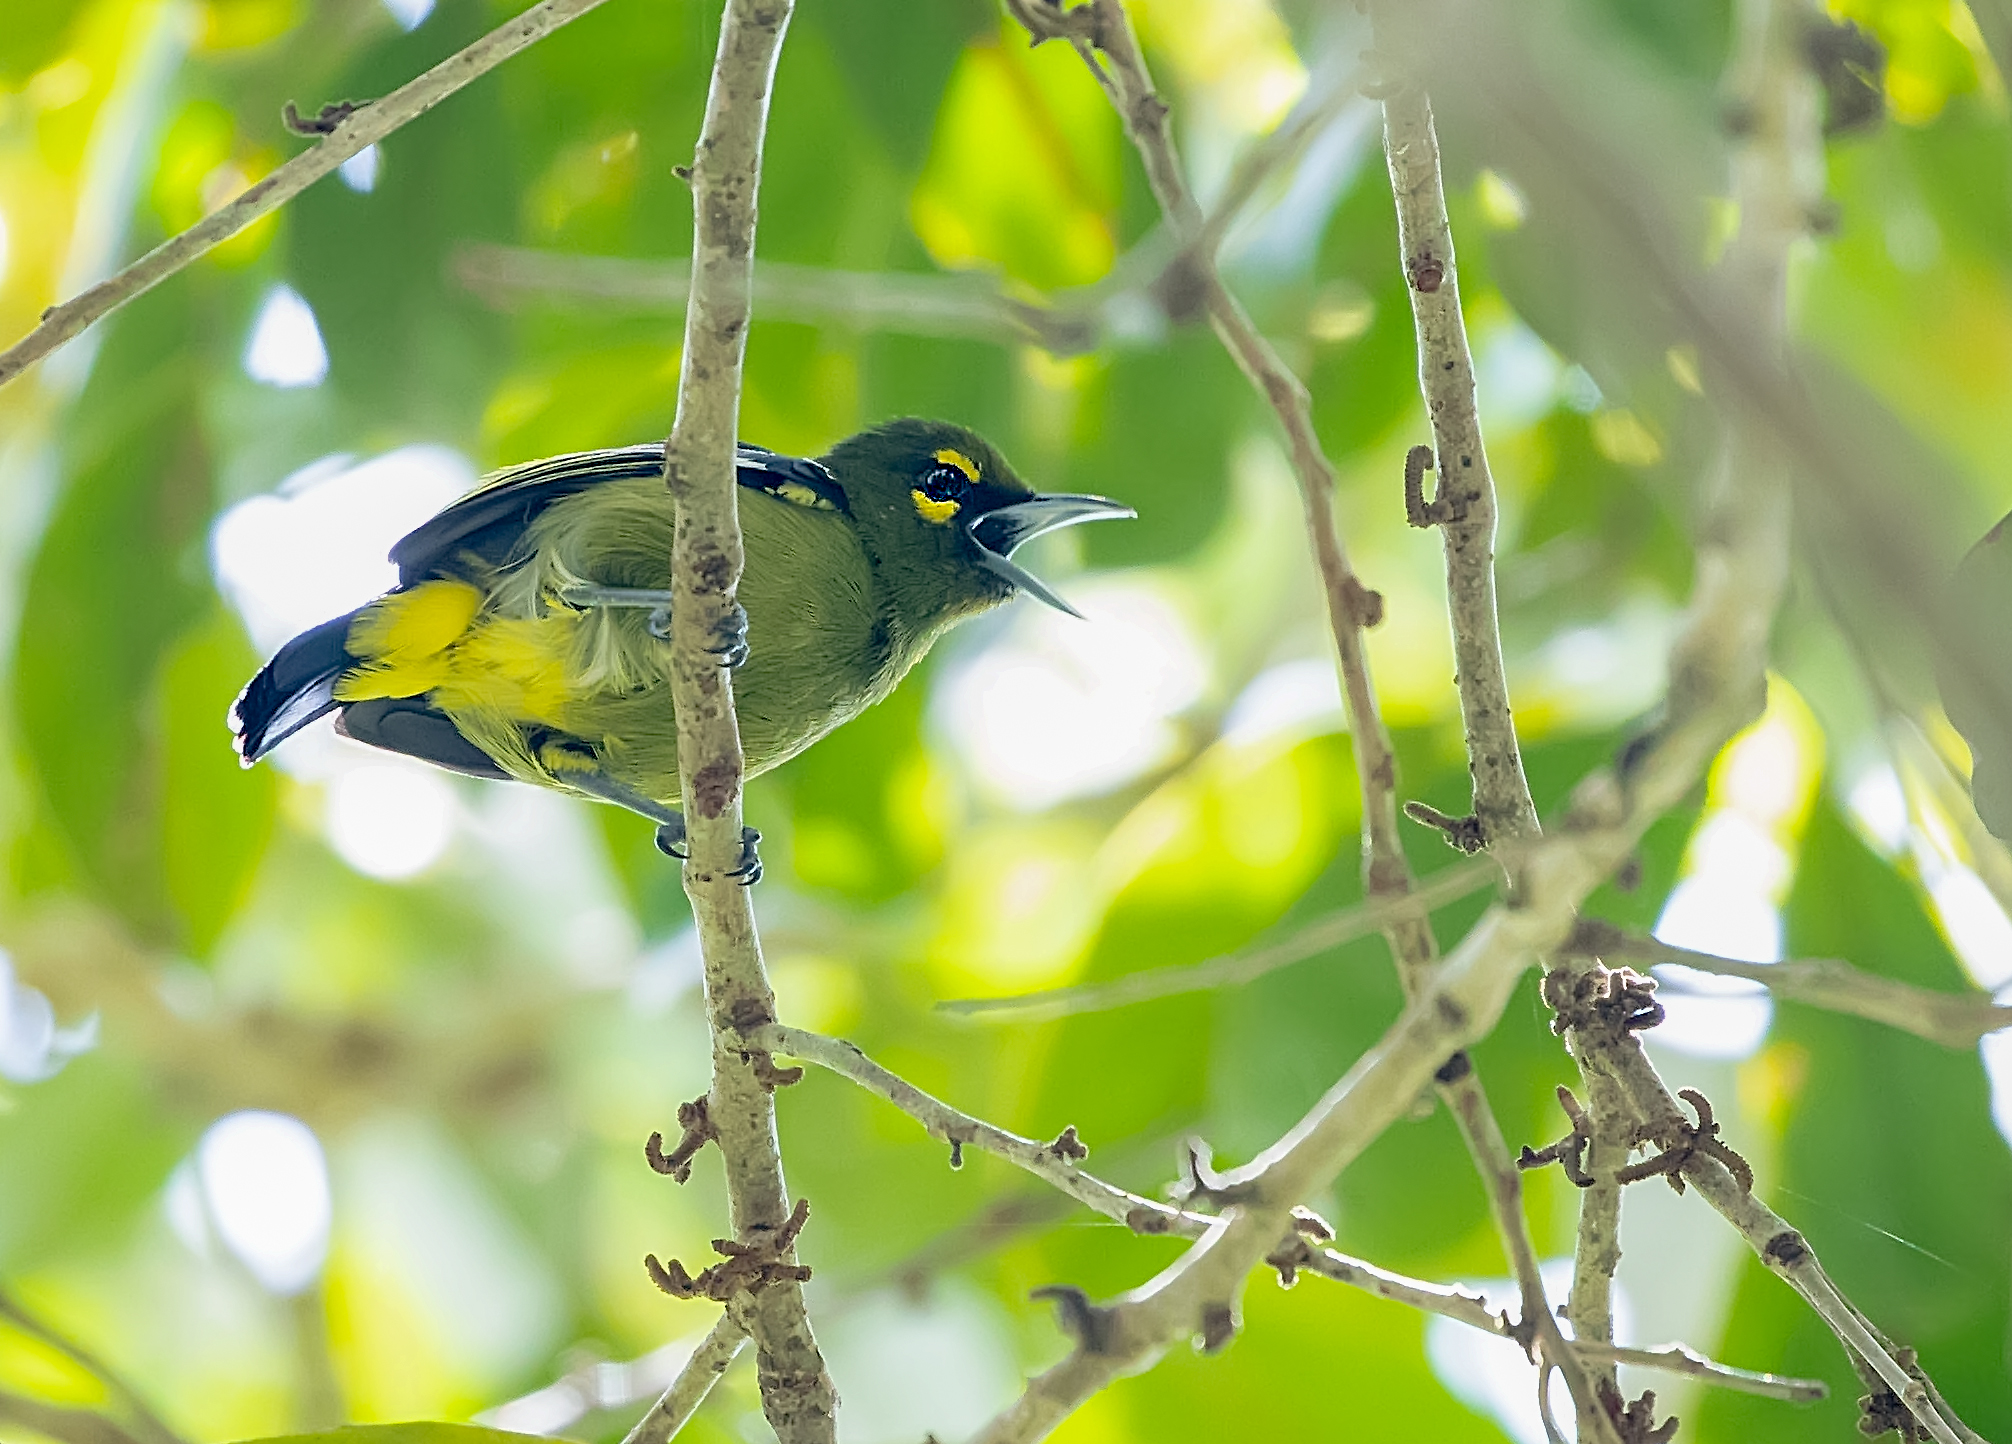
(937, 512)
(963, 463)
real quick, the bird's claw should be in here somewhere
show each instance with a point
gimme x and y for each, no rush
(747, 871)
(730, 638)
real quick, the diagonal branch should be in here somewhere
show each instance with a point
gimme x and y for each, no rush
(1058, 1164)
(1955, 1020)
(703, 1370)
(797, 1393)
(344, 132)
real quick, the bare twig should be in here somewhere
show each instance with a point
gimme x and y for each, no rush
(1058, 1166)
(1955, 1020)
(1464, 505)
(797, 1393)
(707, 1363)
(958, 305)
(1341, 926)
(350, 128)
(147, 1426)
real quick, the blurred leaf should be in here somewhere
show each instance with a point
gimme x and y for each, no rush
(115, 581)
(33, 36)
(1364, 385)
(896, 63)
(409, 352)
(215, 816)
(1023, 173)
(80, 1155)
(1130, 446)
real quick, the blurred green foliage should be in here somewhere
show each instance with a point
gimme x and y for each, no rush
(482, 1042)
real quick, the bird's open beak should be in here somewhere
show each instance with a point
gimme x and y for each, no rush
(1000, 531)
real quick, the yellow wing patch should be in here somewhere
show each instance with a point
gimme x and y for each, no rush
(797, 494)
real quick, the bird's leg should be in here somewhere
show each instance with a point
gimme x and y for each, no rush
(581, 772)
(730, 637)
(655, 599)
(671, 841)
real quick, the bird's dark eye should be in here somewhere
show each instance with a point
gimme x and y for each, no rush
(944, 483)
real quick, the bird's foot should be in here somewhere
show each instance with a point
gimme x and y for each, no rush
(746, 871)
(730, 637)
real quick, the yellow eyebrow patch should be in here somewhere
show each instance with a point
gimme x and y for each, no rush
(963, 463)
(937, 512)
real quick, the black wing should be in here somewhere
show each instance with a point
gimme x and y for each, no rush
(489, 520)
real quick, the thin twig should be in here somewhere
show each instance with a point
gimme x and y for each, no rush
(1053, 1164)
(916, 304)
(1677, 1359)
(1465, 500)
(708, 1362)
(148, 1427)
(356, 129)
(1342, 926)
(1060, 1169)
(797, 1393)
(1955, 1020)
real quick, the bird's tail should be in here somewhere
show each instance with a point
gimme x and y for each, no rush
(290, 691)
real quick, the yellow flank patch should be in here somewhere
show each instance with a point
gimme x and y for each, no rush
(937, 512)
(947, 457)
(513, 667)
(404, 640)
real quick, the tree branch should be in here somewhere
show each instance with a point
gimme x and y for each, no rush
(703, 1370)
(348, 131)
(1464, 503)
(1058, 1166)
(797, 1393)
(915, 304)
(1955, 1020)
(1054, 1163)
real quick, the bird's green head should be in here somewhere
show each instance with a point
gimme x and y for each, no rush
(941, 513)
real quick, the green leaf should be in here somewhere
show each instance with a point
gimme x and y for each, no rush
(216, 817)
(116, 580)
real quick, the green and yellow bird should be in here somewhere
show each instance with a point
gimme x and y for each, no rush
(528, 635)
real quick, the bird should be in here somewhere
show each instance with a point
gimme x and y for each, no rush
(527, 637)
